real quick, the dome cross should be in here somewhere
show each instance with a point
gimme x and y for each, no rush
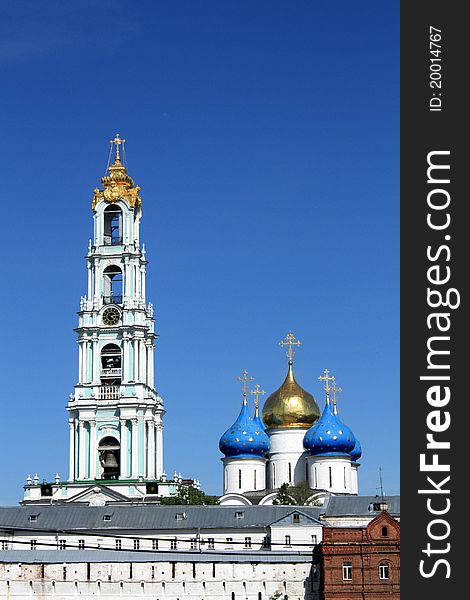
(117, 141)
(257, 392)
(327, 378)
(289, 341)
(336, 390)
(245, 379)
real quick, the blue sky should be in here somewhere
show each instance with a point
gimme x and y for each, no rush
(264, 136)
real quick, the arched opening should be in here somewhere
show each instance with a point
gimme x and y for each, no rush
(112, 225)
(111, 365)
(109, 452)
(112, 285)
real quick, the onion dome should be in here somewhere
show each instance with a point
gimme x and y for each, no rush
(290, 405)
(246, 438)
(329, 436)
(356, 452)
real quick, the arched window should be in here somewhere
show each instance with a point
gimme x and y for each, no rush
(239, 478)
(112, 225)
(384, 571)
(330, 476)
(111, 364)
(290, 472)
(384, 531)
(109, 452)
(254, 480)
(112, 285)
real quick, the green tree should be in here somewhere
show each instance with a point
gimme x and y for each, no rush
(277, 595)
(293, 494)
(188, 494)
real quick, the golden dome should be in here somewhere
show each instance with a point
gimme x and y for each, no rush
(290, 405)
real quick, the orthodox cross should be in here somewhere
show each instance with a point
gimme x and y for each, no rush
(327, 378)
(257, 392)
(289, 341)
(245, 379)
(118, 141)
(336, 390)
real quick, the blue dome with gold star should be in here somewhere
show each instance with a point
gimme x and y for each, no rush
(246, 438)
(329, 436)
(356, 452)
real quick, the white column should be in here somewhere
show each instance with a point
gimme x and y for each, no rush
(159, 448)
(71, 449)
(96, 360)
(90, 291)
(134, 455)
(81, 449)
(127, 288)
(142, 279)
(86, 361)
(124, 453)
(92, 449)
(80, 361)
(142, 361)
(151, 449)
(150, 375)
(125, 360)
(136, 359)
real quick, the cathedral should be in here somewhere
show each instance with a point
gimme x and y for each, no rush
(291, 443)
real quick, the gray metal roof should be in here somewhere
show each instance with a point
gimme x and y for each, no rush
(344, 506)
(97, 556)
(145, 517)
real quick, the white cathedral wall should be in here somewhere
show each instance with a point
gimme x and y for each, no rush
(331, 473)
(286, 448)
(170, 581)
(354, 478)
(244, 474)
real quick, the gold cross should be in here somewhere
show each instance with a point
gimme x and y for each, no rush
(289, 341)
(326, 378)
(257, 392)
(336, 390)
(244, 378)
(118, 141)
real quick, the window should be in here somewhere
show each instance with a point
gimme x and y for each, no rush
(347, 571)
(174, 544)
(136, 544)
(192, 544)
(106, 517)
(210, 543)
(240, 515)
(265, 542)
(384, 571)
(62, 544)
(118, 544)
(314, 539)
(112, 226)
(154, 544)
(288, 540)
(229, 542)
(239, 478)
(33, 518)
(330, 476)
(248, 542)
(180, 516)
(254, 480)
(112, 285)
(384, 531)
(296, 518)
(81, 544)
(290, 472)
(33, 544)
(4, 545)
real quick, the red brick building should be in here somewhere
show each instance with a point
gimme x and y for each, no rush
(362, 563)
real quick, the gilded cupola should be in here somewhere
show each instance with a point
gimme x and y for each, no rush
(290, 405)
(116, 183)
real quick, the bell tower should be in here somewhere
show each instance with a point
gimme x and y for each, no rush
(115, 414)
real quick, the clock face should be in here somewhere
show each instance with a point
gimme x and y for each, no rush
(111, 316)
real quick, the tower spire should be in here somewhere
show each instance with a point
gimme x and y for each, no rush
(244, 379)
(290, 341)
